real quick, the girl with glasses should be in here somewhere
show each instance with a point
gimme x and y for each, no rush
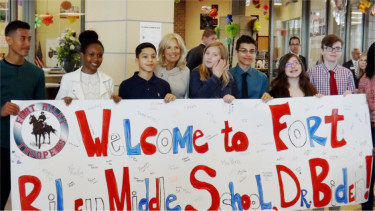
(291, 80)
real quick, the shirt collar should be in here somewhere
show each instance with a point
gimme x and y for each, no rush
(326, 68)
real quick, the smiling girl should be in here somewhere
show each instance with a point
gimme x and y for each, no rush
(88, 82)
(291, 80)
(212, 79)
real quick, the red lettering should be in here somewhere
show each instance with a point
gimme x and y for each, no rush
(281, 168)
(200, 149)
(318, 186)
(334, 118)
(351, 193)
(239, 140)
(215, 197)
(45, 107)
(26, 201)
(246, 202)
(148, 148)
(154, 202)
(277, 112)
(77, 204)
(226, 132)
(113, 191)
(98, 147)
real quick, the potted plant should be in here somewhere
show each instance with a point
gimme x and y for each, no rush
(68, 50)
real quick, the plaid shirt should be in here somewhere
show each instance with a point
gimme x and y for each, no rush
(319, 77)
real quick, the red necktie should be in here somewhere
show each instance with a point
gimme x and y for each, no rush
(332, 83)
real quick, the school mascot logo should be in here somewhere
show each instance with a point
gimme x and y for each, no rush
(40, 131)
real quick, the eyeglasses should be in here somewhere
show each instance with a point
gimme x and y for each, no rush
(330, 49)
(289, 65)
(245, 51)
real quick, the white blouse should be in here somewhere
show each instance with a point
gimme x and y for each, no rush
(177, 79)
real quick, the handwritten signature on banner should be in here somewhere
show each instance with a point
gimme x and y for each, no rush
(192, 154)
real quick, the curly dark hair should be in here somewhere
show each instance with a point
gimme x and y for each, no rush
(280, 85)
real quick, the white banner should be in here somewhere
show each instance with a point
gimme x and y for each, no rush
(292, 153)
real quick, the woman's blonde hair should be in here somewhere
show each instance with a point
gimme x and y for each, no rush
(181, 63)
(361, 72)
(205, 72)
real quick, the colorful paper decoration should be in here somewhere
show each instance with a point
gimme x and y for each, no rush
(256, 27)
(256, 3)
(71, 18)
(47, 19)
(217, 32)
(66, 5)
(38, 21)
(213, 12)
(232, 29)
(227, 40)
(364, 5)
(206, 8)
(229, 19)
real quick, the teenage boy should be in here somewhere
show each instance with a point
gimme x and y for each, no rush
(19, 80)
(144, 84)
(330, 78)
(251, 83)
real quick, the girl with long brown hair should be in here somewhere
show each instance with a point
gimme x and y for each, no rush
(291, 80)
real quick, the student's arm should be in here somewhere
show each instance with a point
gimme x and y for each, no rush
(9, 109)
(65, 85)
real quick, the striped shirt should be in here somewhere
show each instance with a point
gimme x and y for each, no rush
(319, 77)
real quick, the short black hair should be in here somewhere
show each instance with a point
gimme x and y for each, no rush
(245, 39)
(87, 38)
(294, 38)
(142, 46)
(14, 25)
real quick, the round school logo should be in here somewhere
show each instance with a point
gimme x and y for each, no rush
(41, 131)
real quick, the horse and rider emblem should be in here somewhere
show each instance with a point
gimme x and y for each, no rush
(40, 130)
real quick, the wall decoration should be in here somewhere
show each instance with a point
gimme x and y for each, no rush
(66, 5)
(74, 11)
(47, 19)
(3, 11)
(38, 21)
(364, 5)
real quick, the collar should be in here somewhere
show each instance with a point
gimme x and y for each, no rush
(14, 65)
(141, 80)
(294, 53)
(76, 75)
(327, 69)
(240, 70)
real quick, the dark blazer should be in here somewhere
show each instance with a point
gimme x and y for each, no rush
(350, 65)
(195, 56)
(303, 59)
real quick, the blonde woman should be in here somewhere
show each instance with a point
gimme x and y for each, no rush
(172, 64)
(212, 79)
(362, 63)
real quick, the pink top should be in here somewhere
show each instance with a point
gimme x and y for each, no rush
(367, 86)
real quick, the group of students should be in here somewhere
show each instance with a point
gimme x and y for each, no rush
(165, 75)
